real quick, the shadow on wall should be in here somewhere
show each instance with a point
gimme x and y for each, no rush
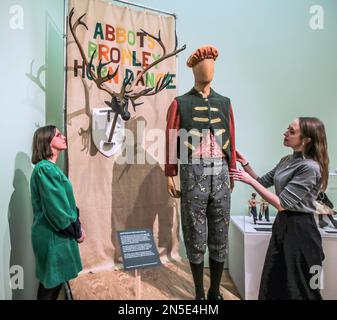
(5, 293)
(20, 215)
(20, 218)
(140, 200)
(53, 69)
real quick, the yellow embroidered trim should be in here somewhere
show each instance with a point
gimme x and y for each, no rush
(196, 133)
(219, 132)
(225, 145)
(187, 144)
(214, 109)
(200, 108)
(216, 120)
(200, 119)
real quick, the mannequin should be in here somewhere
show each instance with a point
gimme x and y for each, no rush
(200, 132)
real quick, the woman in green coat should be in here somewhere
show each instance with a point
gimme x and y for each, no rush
(56, 229)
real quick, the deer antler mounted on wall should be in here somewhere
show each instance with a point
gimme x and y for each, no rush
(120, 100)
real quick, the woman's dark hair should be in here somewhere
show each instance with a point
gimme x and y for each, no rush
(317, 147)
(41, 143)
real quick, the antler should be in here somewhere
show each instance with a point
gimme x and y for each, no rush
(163, 82)
(119, 101)
(97, 78)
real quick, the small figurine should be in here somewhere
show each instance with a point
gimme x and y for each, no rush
(252, 206)
(264, 210)
(324, 207)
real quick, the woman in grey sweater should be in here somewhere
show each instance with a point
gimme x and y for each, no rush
(294, 258)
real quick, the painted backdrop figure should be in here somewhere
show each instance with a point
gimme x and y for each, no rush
(56, 229)
(296, 245)
(205, 145)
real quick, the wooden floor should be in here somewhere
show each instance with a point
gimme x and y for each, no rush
(172, 281)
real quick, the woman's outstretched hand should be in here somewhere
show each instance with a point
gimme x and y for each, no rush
(241, 175)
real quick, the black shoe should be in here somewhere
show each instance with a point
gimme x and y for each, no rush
(210, 296)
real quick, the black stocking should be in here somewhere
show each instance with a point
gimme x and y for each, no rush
(216, 269)
(198, 278)
(48, 293)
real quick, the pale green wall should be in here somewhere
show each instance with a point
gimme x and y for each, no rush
(271, 64)
(24, 105)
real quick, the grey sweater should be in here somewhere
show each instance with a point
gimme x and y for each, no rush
(297, 182)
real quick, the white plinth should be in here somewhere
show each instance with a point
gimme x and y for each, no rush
(247, 251)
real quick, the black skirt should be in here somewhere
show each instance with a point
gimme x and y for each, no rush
(293, 260)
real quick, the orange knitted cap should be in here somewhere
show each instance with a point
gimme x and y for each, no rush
(204, 52)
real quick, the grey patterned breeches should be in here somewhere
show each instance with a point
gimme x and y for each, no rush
(205, 208)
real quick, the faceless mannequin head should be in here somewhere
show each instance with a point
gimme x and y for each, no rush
(204, 71)
(202, 63)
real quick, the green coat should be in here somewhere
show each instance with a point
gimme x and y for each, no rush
(57, 257)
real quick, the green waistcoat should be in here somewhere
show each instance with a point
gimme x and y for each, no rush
(57, 257)
(198, 115)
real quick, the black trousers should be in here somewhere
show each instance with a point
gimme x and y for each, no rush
(48, 293)
(293, 260)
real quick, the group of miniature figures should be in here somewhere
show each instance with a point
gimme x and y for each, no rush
(264, 208)
(323, 203)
